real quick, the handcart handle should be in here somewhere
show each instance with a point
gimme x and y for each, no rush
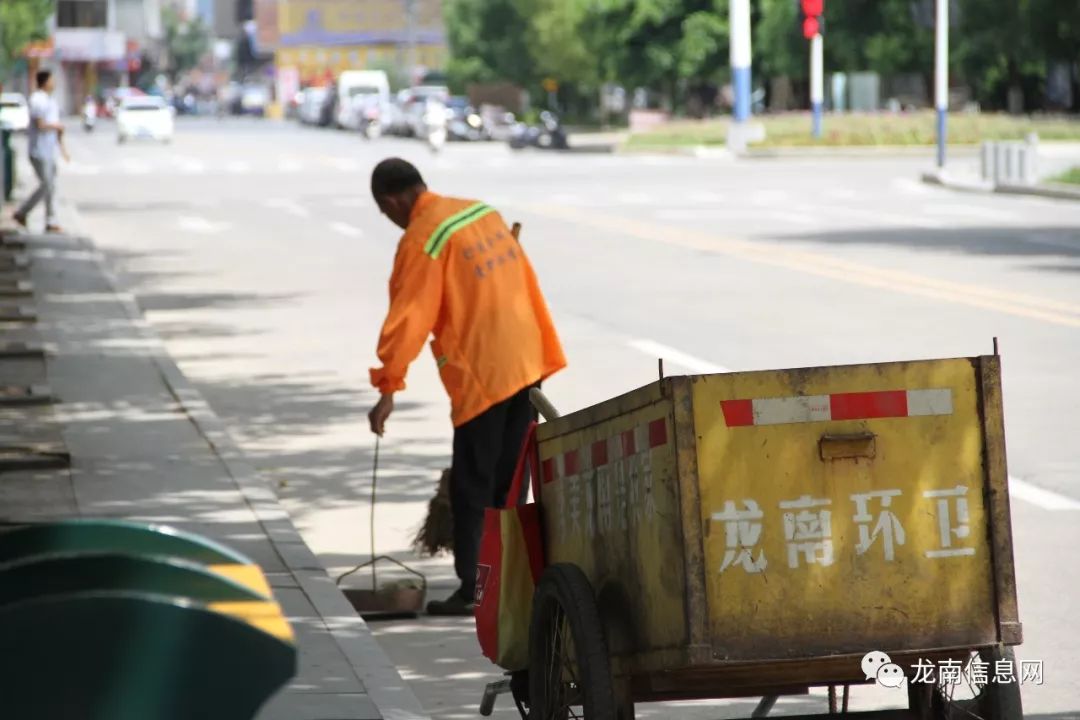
(542, 404)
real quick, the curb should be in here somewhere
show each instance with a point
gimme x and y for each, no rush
(794, 153)
(1052, 191)
(391, 696)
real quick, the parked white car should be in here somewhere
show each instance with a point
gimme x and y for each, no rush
(145, 117)
(357, 90)
(312, 104)
(14, 113)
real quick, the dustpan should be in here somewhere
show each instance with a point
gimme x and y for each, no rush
(400, 599)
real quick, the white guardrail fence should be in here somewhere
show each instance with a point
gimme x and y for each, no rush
(1011, 163)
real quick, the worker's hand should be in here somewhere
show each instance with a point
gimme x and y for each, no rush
(379, 413)
(64, 153)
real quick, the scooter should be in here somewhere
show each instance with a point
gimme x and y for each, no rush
(435, 126)
(370, 127)
(89, 116)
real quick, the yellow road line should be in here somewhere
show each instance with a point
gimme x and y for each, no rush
(1028, 306)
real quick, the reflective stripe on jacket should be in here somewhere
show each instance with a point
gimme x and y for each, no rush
(460, 274)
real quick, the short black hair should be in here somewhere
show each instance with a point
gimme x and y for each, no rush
(393, 176)
(42, 77)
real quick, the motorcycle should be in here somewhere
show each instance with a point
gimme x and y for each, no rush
(547, 135)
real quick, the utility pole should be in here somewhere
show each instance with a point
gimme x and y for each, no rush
(941, 77)
(817, 80)
(410, 40)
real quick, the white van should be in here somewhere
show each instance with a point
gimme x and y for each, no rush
(357, 86)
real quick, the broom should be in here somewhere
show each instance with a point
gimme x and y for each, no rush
(436, 534)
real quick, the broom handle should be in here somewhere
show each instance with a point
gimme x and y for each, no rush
(374, 477)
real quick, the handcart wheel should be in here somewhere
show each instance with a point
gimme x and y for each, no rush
(970, 700)
(569, 667)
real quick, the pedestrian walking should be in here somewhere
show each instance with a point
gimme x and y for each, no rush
(45, 140)
(460, 275)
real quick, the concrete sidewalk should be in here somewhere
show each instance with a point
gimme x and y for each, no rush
(145, 446)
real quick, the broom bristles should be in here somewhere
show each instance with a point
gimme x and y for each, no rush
(436, 534)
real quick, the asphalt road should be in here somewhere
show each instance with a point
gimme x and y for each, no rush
(256, 251)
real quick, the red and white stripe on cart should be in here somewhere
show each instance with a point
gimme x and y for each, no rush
(603, 452)
(839, 406)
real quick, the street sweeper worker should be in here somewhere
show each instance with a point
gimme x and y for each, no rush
(460, 275)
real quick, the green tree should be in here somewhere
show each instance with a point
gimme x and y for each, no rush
(21, 22)
(1007, 46)
(660, 43)
(779, 47)
(488, 41)
(187, 41)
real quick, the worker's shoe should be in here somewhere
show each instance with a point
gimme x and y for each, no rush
(458, 604)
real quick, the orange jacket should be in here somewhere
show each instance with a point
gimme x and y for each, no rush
(460, 274)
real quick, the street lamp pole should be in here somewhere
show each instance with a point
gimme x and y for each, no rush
(740, 57)
(941, 76)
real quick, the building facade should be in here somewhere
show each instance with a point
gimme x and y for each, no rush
(98, 44)
(313, 41)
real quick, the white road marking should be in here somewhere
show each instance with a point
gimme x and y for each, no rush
(705, 197)
(198, 224)
(1046, 499)
(796, 218)
(343, 164)
(497, 162)
(840, 194)
(78, 168)
(670, 354)
(135, 167)
(289, 165)
(288, 205)
(634, 198)
(352, 202)
(805, 219)
(238, 167)
(768, 197)
(189, 165)
(346, 229)
(565, 199)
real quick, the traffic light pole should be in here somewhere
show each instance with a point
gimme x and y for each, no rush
(941, 76)
(740, 57)
(817, 80)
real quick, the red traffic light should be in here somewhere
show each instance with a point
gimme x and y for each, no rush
(810, 28)
(813, 8)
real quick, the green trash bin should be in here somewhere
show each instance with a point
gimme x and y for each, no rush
(8, 163)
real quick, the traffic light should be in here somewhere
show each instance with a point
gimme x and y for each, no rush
(812, 21)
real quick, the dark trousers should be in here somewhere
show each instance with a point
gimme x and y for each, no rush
(485, 452)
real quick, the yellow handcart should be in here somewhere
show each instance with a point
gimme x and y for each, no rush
(758, 534)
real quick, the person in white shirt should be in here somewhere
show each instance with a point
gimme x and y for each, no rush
(45, 138)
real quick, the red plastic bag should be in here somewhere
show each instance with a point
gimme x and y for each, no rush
(510, 563)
